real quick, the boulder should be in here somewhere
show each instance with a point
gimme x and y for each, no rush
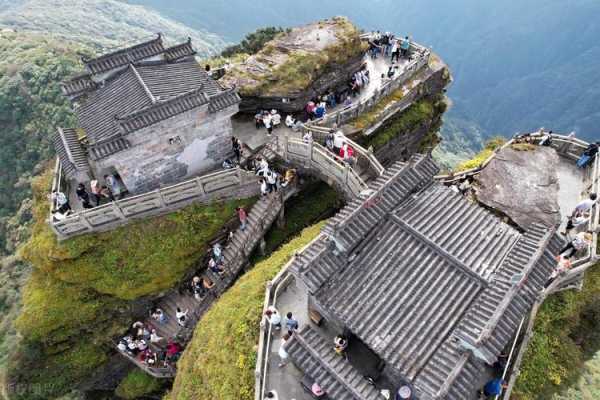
(523, 184)
(298, 65)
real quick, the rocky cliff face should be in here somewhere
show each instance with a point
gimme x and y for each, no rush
(298, 65)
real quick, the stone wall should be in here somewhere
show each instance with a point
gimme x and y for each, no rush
(172, 150)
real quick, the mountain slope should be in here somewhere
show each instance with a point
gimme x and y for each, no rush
(517, 65)
(104, 23)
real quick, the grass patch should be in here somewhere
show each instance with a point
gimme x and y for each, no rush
(420, 113)
(483, 155)
(523, 146)
(137, 384)
(284, 69)
(80, 294)
(219, 361)
(135, 260)
(566, 334)
(372, 116)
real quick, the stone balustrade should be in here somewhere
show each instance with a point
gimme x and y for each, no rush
(218, 186)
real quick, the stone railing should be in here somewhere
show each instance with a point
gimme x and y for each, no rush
(315, 158)
(280, 282)
(420, 58)
(570, 148)
(222, 185)
(366, 160)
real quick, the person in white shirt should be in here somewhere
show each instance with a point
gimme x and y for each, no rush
(271, 181)
(264, 187)
(154, 338)
(181, 316)
(289, 121)
(268, 121)
(585, 205)
(307, 138)
(275, 118)
(338, 141)
(273, 317)
(283, 354)
(579, 242)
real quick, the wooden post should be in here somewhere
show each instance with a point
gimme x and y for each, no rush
(161, 199)
(310, 154)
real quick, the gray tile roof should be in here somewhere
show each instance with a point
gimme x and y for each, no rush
(125, 56)
(179, 51)
(423, 277)
(71, 153)
(146, 93)
(78, 85)
(314, 355)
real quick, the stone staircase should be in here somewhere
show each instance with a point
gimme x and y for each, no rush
(340, 380)
(236, 253)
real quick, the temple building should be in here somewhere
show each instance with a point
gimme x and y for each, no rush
(428, 287)
(148, 114)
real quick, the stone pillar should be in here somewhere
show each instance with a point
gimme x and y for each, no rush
(262, 246)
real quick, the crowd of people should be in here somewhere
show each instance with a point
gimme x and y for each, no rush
(143, 343)
(287, 327)
(387, 44)
(97, 194)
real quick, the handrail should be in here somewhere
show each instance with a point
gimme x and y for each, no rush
(262, 359)
(170, 198)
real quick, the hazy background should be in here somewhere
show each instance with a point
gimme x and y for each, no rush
(518, 65)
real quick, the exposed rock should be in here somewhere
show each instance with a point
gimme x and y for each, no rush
(523, 185)
(297, 66)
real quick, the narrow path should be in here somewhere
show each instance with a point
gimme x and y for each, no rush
(260, 218)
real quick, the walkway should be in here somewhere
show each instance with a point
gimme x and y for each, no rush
(236, 254)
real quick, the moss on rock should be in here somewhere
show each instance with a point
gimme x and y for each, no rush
(138, 384)
(566, 333)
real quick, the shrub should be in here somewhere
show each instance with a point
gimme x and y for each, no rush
(137, 384)
(483, 155)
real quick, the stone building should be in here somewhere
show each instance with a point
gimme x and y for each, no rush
(428, 287)
(149, 114)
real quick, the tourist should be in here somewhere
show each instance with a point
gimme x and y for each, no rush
(405, 47)
(262, 167)
(290, 121)
(271, 395)
(181, 317)
(114, 185)
(60, 200)
(310, 110)
(329, 141)
(290, 174)
(106, 193)
(268, 122)
(160, 316)
(579, 242)
(207, 283)
(373, 48)
(588, 154)
(142, 345)
(316, 390)
(493, 388)
(585, 206)
(275, 118)
(258, 119)
(331, 101)
(273, 317)
(563, 265)
(217, 252)
(264, 187)
(340, 344)
(197, 288)
(227, 164)
(576, 221)
(395, 50)
(307, 137)
(215, 267)
(338, 141)
(320, 110)
(271, 181)
(236, 146)
(347, 153)
(290, 322)
(283, 354)
(243, 217)
(83, 196)
(122, 345)
(391, 71)
(95, 189)
(173, 350)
